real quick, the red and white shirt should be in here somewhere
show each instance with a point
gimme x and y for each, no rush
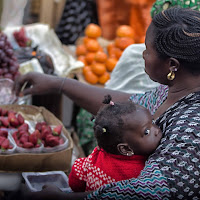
(101, 168)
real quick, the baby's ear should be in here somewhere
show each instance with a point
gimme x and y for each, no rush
(124, 149)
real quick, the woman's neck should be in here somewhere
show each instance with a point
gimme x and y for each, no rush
(182, 88)
(178, 90)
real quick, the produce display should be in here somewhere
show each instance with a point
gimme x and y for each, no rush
(99, 62)
(14, 125)
(8, 62)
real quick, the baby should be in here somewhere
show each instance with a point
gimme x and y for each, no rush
(126, 136)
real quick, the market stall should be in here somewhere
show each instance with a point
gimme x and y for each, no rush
(27, 122)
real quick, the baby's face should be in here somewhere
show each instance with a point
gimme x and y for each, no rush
(142, 135)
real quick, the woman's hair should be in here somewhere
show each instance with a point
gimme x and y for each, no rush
(109, 124)
(177, 34)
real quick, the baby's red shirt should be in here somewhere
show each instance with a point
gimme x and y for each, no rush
(101, 168)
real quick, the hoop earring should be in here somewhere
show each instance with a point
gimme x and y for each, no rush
(130, 153)
(171, 76)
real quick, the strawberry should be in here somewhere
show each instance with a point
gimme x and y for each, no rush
(28, 145)
(4, 121)
(18, 143)
(52, 140)
(46, 130)
(15, 135)
(0, 111)
(24, 127)
(2, 140)
(33, 138)
(13, 119)
(39, 125)
(57, 130)
(5, 144)
(20, 119)
(24, 139)
(4, 133)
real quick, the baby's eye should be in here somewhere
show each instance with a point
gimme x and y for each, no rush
(147, 131)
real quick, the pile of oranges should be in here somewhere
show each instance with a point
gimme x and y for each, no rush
(99, 62)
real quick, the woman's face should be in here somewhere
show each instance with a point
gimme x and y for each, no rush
(155, 67)
(141, 134)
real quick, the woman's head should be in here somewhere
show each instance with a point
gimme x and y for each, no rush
(176, 34)
(126, 128)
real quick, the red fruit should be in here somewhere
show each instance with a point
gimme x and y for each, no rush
(57, 130)
(39, 125)
(0, 111)
(28, 145)
(2, 139)
(15, 135)
(52, 140)
(13, 119)
(37, 133)
(24, 139)
(20, 119)
(10, 146)
(46, 130)
(37, 145)
(18, 143)
(4, 121)
(23, 127)
(33, 138)
(22, 132)
(5, 144)
(3, 133)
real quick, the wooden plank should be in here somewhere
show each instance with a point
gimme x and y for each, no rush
(46, 12)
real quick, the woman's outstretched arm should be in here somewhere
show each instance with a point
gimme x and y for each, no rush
(86, 96)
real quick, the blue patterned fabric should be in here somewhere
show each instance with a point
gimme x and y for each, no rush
(173, 171)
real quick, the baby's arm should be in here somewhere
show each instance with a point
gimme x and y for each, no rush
(76, 177)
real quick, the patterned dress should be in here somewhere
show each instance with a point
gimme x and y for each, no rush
(173, 171)
(100, 168)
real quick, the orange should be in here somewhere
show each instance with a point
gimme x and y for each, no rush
(112, 51)
(81, 50)
(98, 68)
(87, 39)
(90, 77)
(118, 53)
(100, 57)
(125, 31)
(104, 78)
(110, 63)
(93, 30)
(90, 57)
(92, 45)
(110, 47)
(123, 42)
(86, 69)
(82, 59)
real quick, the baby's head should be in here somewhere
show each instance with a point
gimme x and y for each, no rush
(126, 128)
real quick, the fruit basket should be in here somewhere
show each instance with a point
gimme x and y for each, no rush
(29, 158)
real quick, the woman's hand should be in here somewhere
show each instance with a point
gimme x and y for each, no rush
(37, 83)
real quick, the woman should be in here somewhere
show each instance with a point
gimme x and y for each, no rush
(172, 58)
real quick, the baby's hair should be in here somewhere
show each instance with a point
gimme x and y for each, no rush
(109, 123)
(177, 35)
